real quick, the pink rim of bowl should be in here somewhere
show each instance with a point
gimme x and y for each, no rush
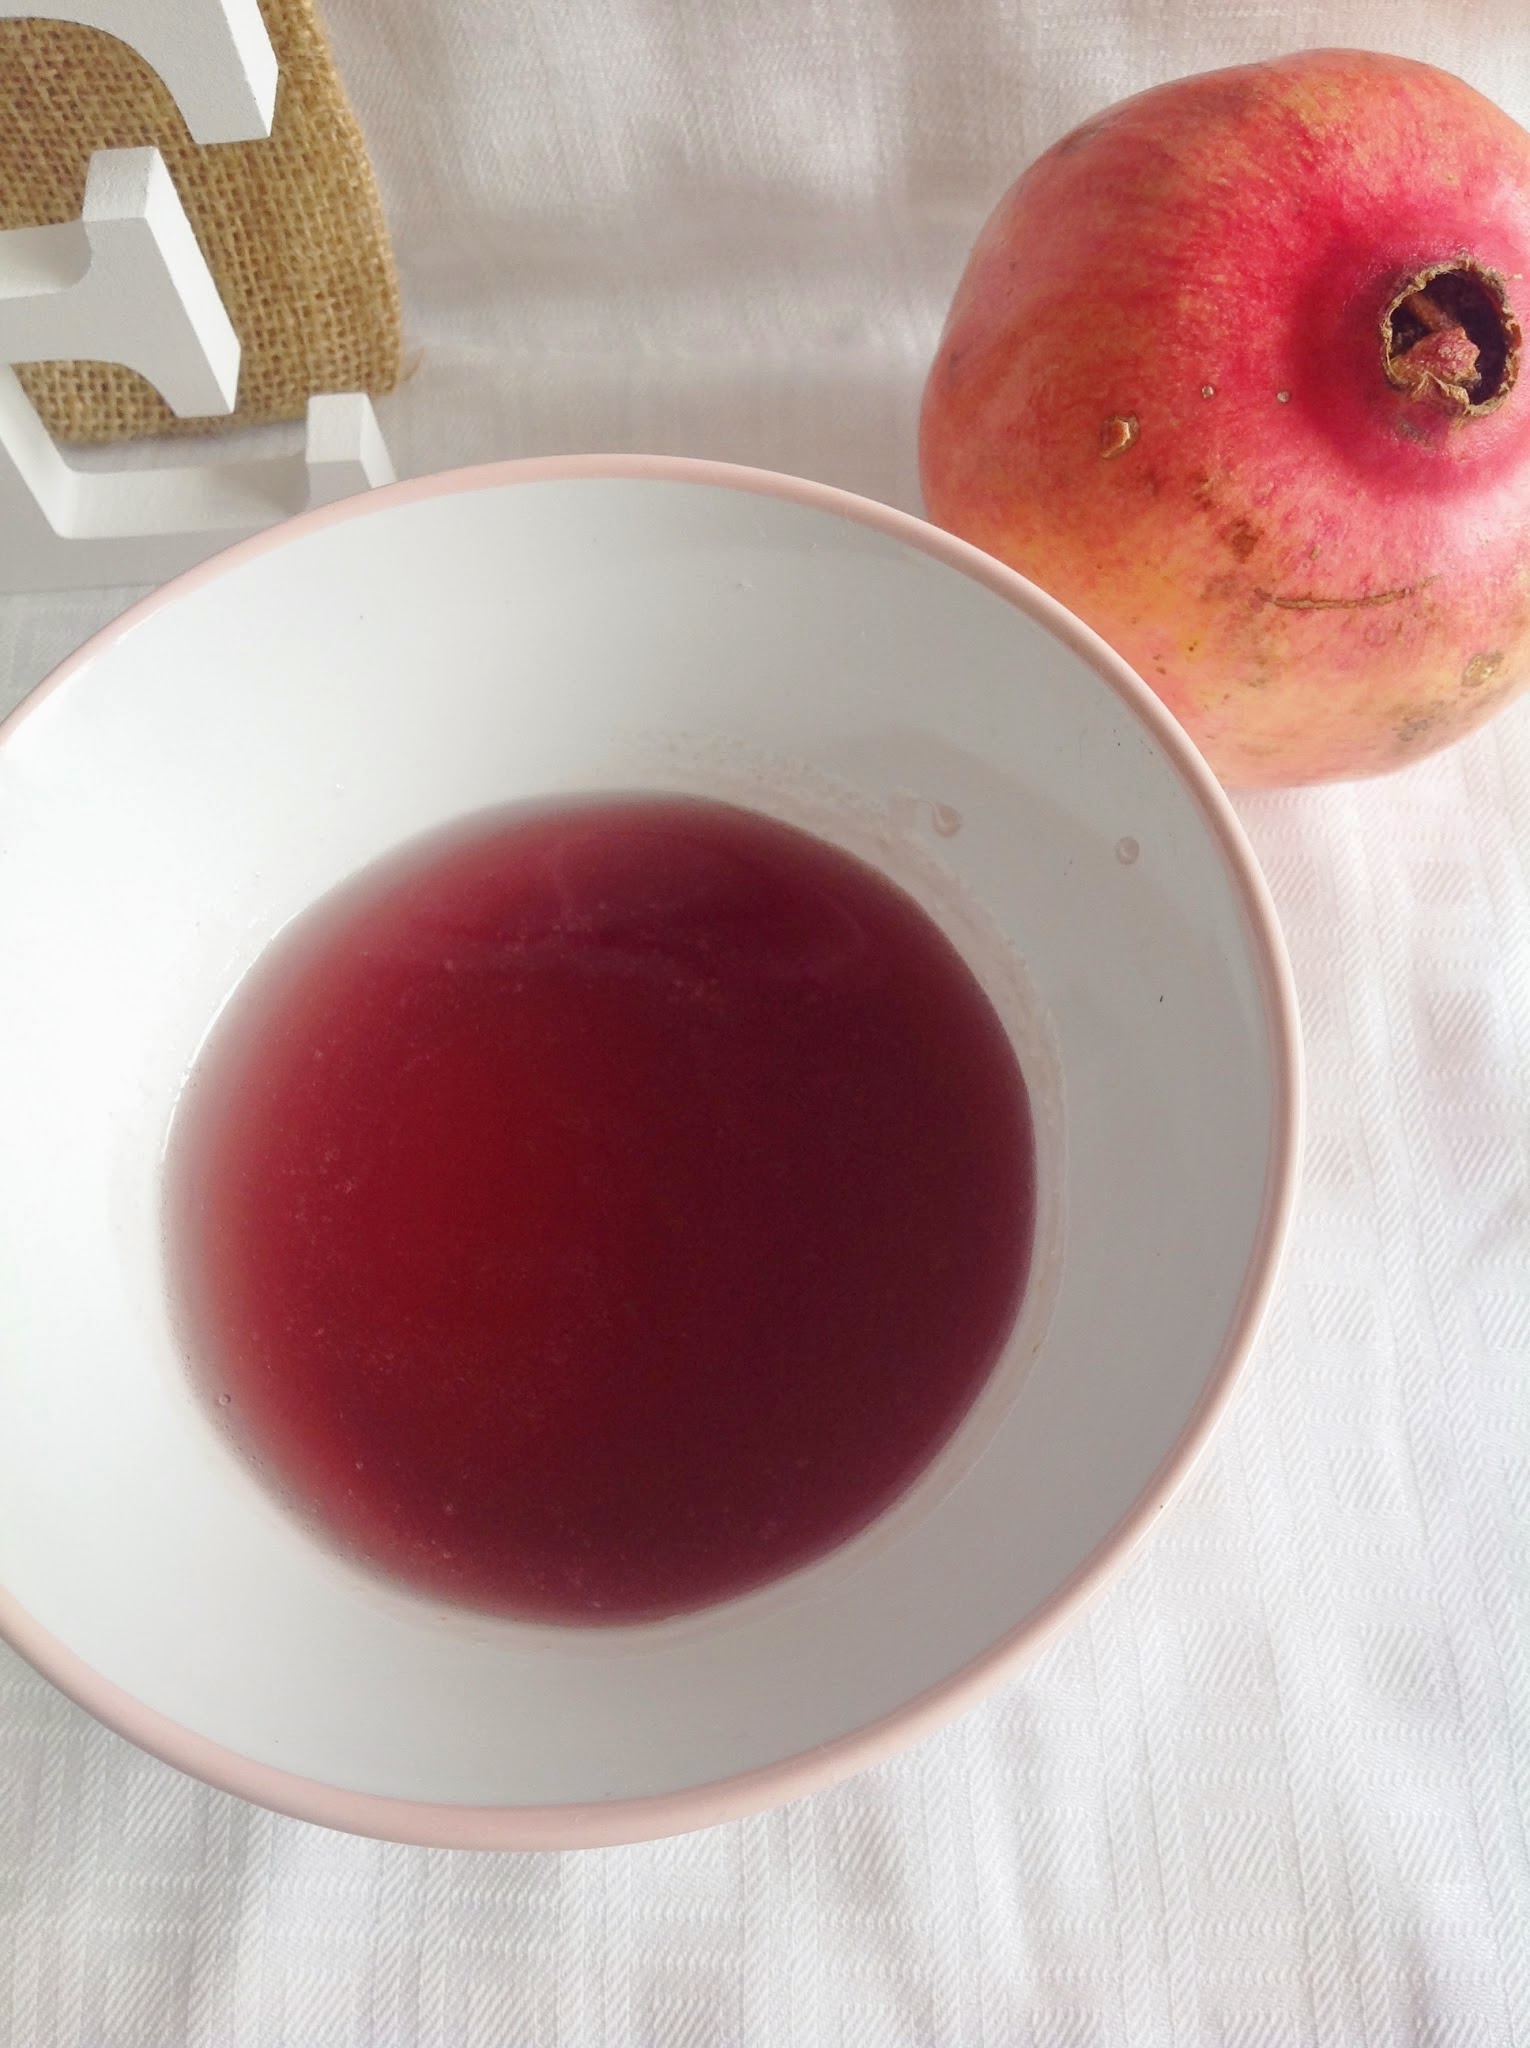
(645, 1819)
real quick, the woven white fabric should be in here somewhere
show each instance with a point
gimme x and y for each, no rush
(1272, 1790)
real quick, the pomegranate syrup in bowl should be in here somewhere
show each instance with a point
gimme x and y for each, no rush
(601, 1209)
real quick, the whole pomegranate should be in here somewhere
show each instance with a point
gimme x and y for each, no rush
(1232, 373)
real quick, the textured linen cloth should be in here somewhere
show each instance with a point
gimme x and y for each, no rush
(1271, 1789)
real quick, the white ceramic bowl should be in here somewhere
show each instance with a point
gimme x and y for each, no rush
(266, 725)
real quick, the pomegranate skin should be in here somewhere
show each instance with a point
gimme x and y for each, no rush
(1182, 387)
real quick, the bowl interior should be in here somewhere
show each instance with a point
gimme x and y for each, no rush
(200, 777)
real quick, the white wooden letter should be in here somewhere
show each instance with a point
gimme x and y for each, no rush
(127, 283)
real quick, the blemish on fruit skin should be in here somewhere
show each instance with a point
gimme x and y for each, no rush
(1282, 398)
(1077, 137)
(1481, 669)
(1119, 433)
(1410, 730)
(1242, 537)
(1208, 391)
(1337, 604)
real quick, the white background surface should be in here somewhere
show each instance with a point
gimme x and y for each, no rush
(1272, 1789)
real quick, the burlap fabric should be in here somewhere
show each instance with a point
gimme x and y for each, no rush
(291, 226)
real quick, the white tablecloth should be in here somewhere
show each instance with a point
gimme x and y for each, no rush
(1272, 1790)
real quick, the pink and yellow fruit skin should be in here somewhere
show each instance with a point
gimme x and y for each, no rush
(1321, 576)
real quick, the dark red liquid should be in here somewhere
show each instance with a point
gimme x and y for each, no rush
(598, 1212)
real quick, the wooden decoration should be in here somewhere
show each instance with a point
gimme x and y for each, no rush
(127, 283)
